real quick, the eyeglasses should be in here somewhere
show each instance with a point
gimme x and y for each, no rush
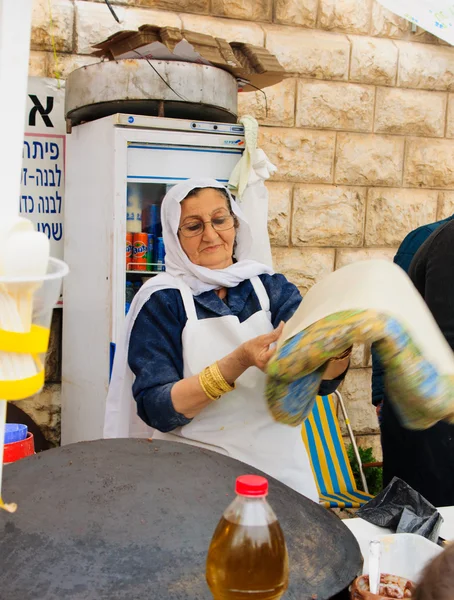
(221, 222)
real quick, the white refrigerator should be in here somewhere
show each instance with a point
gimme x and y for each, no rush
(118, 170)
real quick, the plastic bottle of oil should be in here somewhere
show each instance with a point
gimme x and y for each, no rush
(247, 558)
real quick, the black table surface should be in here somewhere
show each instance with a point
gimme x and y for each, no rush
(132, 519)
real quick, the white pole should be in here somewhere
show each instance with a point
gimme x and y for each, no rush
(15, 27)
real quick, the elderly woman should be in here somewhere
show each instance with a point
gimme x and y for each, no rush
(199, 337)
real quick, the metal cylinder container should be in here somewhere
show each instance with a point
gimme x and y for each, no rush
(154, 88)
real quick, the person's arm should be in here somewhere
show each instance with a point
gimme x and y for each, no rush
(155, 356)
(187, 394)
(432, 273)
(166, 400)
(335, 371)
(284, 300)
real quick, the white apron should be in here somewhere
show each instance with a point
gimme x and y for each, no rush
(239, 423)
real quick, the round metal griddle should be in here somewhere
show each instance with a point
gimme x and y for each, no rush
(140, 87)
(132, 519)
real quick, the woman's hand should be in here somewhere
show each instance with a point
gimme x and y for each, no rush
(257, 352)
(189, 398)
(335, 368)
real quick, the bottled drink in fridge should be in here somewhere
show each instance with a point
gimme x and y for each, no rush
(247, 558)
(159, 254)
(139, 250)
(129, 296)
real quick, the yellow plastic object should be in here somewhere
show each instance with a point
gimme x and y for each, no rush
(10, 507)
(35, 297)
(18, 389)
(36, 341)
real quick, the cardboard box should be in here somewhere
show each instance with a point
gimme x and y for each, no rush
(255, 67)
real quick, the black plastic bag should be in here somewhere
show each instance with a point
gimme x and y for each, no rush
(403, 509)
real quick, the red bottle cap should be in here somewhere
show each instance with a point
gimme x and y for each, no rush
(251, 486)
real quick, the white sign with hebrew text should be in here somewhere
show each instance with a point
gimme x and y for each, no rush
(43, 165)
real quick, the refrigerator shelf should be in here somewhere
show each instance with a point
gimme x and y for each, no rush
(144, 273)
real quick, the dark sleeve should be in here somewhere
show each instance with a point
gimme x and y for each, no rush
(284, 297)
(284, 300)
(432, 271)
(329, 386)
(155, 356)
(410, 246)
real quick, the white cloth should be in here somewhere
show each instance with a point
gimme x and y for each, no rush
(248, 180)
(120, 417)
(435, 16)
(240, 174)
(239, 424)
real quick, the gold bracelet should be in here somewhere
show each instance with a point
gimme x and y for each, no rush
(214, 383)
(220, 379)
(210, 384)
(342, 356)
(202, 381)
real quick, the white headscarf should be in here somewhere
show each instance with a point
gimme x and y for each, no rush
(202, 279)
(120, 417)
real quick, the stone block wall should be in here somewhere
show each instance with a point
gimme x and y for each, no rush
(362, 129)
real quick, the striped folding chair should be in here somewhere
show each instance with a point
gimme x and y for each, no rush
(333, 475)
